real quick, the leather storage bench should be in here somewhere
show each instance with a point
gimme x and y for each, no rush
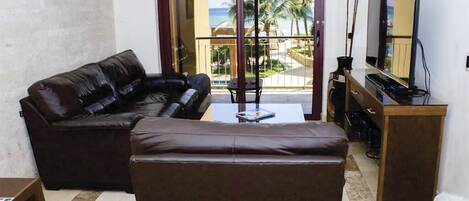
(194, 160)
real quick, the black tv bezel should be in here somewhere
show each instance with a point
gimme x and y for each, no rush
(411, 82)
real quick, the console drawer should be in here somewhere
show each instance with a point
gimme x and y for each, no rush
(369, 104)
(375, 112)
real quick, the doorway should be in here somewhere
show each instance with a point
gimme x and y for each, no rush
(285, 52)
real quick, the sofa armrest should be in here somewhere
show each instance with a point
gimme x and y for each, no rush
(201, 83)
(123, 121)
(159, 82)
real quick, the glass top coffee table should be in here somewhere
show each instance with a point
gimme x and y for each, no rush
(226, 113)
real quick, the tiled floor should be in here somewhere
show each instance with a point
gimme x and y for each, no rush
(367, 170)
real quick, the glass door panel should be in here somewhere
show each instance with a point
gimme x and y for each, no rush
(204, 40)
(286, 46)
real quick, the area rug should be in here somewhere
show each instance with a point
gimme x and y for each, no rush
(356, 188)
(87, 196)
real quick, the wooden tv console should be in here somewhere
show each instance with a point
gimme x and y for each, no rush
(411, 131)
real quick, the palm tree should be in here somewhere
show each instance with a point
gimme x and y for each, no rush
(293, 9)
(300, 10)
(270, 12)
(307, 13)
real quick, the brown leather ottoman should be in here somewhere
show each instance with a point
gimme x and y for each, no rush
(193, 160)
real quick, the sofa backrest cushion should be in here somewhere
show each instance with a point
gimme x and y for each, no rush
(125, 72)
(81, 91)
(160, 136)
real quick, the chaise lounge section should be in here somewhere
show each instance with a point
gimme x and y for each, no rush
(205, 161)
(79, 122)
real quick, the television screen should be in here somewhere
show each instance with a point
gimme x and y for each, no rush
(391, 42)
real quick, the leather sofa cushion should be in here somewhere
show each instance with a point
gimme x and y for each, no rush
(149, 105)
(124, 121)
(81, 91)
(126, 73)
(197, 137)
(147, 110)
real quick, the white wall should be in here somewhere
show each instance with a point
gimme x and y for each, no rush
(335, 18)
(39, 39)
(136, 26)
(444, 30)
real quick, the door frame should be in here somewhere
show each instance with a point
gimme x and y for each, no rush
(164, 26)
(318, 63)
(163, 9)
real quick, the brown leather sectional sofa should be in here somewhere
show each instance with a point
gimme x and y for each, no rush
(79, 122)
(204, 161)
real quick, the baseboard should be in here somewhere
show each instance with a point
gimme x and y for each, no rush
(449, 197)
(324, 117)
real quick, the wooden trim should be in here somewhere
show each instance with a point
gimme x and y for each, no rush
(22, 189)
(440, 145)
(240, 33)
(165, 34)
(318, 64)
(382, 165)
(415, 110)
(21, 193)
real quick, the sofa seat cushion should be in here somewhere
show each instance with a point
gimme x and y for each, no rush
(124, 121)
(147, 110)
(150, 98)
(153, 105)
(197, 137)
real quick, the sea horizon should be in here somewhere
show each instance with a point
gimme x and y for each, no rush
(218, 16)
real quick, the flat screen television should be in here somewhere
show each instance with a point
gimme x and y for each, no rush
(392, 39)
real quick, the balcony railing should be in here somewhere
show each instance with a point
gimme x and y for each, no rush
(284, 62)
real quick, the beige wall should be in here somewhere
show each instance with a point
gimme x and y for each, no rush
(403, 17)
(202, 29)
(403, 26)
(193, 21)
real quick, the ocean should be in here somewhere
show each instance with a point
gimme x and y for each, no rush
(221, 15)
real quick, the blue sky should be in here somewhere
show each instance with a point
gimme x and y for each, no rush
(217, 3)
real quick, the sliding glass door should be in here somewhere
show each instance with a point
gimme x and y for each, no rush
(275, 50)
